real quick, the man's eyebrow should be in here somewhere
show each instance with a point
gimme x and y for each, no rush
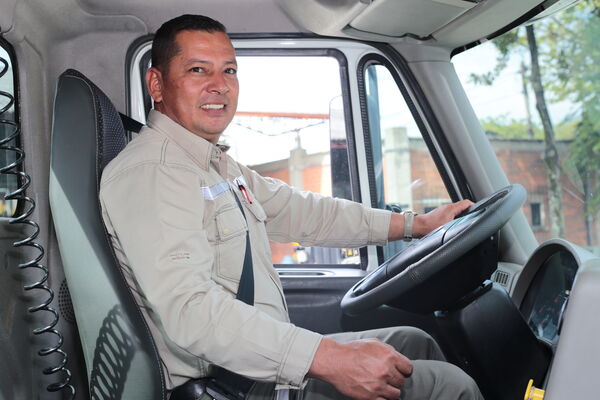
(201, 61)
(198, 61)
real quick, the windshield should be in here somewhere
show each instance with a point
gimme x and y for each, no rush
(536, 91)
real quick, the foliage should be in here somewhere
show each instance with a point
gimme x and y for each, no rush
(566, 130)
(505, 127)
(572, 52)
(504, 44)
(583, 160)
(573, 57)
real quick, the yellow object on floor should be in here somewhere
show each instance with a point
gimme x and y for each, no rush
(533, 393)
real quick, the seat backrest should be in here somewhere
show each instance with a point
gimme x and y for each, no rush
(120, 355)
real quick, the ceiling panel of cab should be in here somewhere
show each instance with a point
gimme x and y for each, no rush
(239, 16)
(447, 23)
(71, 18)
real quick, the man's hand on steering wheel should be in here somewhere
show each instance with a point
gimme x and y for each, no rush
(425, 223)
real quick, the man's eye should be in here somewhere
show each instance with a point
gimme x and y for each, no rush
(231, 71)
(196, 69)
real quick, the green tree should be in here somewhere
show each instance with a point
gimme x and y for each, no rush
(551, 157)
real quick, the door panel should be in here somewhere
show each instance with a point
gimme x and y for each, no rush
(314, 304)
(15, 323)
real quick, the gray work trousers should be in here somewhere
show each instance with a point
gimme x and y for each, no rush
(432, 377)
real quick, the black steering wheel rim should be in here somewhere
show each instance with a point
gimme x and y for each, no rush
(392, 279)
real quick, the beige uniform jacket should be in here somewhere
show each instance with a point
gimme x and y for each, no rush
(167, 202)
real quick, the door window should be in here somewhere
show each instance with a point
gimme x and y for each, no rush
(405, 175)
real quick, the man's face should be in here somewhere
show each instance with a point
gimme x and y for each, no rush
(200, 89)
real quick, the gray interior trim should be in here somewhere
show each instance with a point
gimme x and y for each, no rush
(320, 272)
(574, 373)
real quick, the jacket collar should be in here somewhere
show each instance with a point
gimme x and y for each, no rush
(200, 150)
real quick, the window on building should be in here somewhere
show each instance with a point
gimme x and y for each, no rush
(402, 167)
(290, 125)
(8, 180)
(536, 214)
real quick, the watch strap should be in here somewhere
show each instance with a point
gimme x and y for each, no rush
(409, 219)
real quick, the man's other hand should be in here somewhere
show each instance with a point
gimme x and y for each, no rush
(425, 223)
(361, 369)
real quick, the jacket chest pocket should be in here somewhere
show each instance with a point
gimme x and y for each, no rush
(230, 230)
(230, 222)
(230, 244)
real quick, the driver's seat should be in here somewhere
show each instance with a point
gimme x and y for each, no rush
(121, 358)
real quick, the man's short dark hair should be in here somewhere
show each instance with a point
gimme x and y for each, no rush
(164, 46)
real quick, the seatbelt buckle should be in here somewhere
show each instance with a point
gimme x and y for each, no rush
(198, 388)
(221, 391)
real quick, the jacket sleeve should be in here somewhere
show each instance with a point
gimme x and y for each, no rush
(315, 220)
(155, 215)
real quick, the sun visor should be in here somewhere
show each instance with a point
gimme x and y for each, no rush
(397, 18)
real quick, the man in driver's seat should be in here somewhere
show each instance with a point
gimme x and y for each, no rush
(178, 209)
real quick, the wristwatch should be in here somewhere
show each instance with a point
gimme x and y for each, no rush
(409, 219)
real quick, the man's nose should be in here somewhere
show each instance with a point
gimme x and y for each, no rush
(218, 84)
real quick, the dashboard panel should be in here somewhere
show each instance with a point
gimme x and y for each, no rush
(548, 293)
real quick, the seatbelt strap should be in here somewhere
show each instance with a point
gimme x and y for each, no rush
(236, 384)
(130, 124)
(245, 291)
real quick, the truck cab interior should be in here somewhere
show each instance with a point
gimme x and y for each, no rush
(375, 101)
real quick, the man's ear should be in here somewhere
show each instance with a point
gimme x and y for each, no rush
(154, 83)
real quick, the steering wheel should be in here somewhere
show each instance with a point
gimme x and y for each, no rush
(435, 271)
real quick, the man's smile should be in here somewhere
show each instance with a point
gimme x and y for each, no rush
(212, 106)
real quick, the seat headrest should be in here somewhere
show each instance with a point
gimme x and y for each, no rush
(111, 133)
